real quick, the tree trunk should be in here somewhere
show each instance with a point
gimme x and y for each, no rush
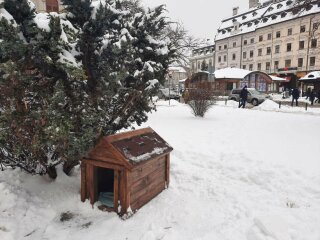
(52, 172)
(68, 166)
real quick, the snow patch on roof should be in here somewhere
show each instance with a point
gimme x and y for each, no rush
(233, 73)
(312, 75)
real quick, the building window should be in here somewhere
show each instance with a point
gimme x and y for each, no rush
(250, 67)
(278, 34)
(269, 36)
(233, 56)
(52, 6)
(312, 61)
(313, 43)
(244, 55)
(251, 54)
(301, 45)
(260, 38)
(245, 42)
(225, 58)
(300, 62)
(276, 65)
(287, 63)
(259, 66)
(252, 40)
(234, 44)
(220, 47)
(277, 49)
(225, 46)
(289, 31)
(199, 65)
(268, 50)
(267, 66)
(302, 29)
(219, 59)
(244, 67)
(289, 47)
(260, 52)
(315, 26)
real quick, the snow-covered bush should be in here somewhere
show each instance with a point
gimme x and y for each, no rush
(200, 100)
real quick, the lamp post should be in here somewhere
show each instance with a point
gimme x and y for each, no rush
(170, 76)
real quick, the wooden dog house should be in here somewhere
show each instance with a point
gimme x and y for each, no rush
(126, 170)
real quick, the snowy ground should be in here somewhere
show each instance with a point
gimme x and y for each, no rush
(237, 174)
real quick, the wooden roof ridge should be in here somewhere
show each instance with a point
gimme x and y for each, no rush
(128, 134)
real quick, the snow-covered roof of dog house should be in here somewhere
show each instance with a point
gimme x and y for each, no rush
(131, 148)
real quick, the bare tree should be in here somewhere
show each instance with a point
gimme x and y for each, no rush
(183, 42)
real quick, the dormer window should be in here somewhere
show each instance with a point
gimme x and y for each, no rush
(256, 22)
(283, 14)
(254, 13)
(274, 17)
(249, 24)
(289, 2)
(244, 17)
(265, 20)
(223, 31)
(279, 6)
(234, 20)
(270, 9)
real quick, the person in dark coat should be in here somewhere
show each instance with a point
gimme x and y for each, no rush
(308, 93)
(243, 97)
(312, 96)
(295, 96)
(318, 96)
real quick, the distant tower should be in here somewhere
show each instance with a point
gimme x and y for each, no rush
(253, 3)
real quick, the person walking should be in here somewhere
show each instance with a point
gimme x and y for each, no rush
(243, 97)
(318, 96)
(308, 93)
(312, 96)
(295, 96)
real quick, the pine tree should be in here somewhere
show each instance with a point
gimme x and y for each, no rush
(66, 80)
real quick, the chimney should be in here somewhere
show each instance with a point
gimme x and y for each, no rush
(253, 3)
(235, 11)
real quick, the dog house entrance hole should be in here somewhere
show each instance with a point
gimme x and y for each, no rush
(105, 184)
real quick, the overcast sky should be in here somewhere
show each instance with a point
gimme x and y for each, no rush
(200, 17)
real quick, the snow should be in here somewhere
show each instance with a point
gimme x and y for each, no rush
(312, 75)
(4, 14)
(42, 20)
(177, 69)
(243, 174)
(275, 78)
(266, 16)
(234, 73)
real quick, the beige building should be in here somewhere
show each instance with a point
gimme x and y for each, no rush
(277, 37)
(203, 59)
(48, 5)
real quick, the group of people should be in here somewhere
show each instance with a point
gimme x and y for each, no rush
(311, 94)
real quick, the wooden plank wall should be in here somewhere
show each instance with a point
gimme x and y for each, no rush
(147, 181)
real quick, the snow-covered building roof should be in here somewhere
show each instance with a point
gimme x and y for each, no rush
(279, 79)
(177, 69)
(232, 73)
(311, 76)
(265, 15)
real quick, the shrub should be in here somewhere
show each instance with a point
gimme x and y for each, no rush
(200, 100)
